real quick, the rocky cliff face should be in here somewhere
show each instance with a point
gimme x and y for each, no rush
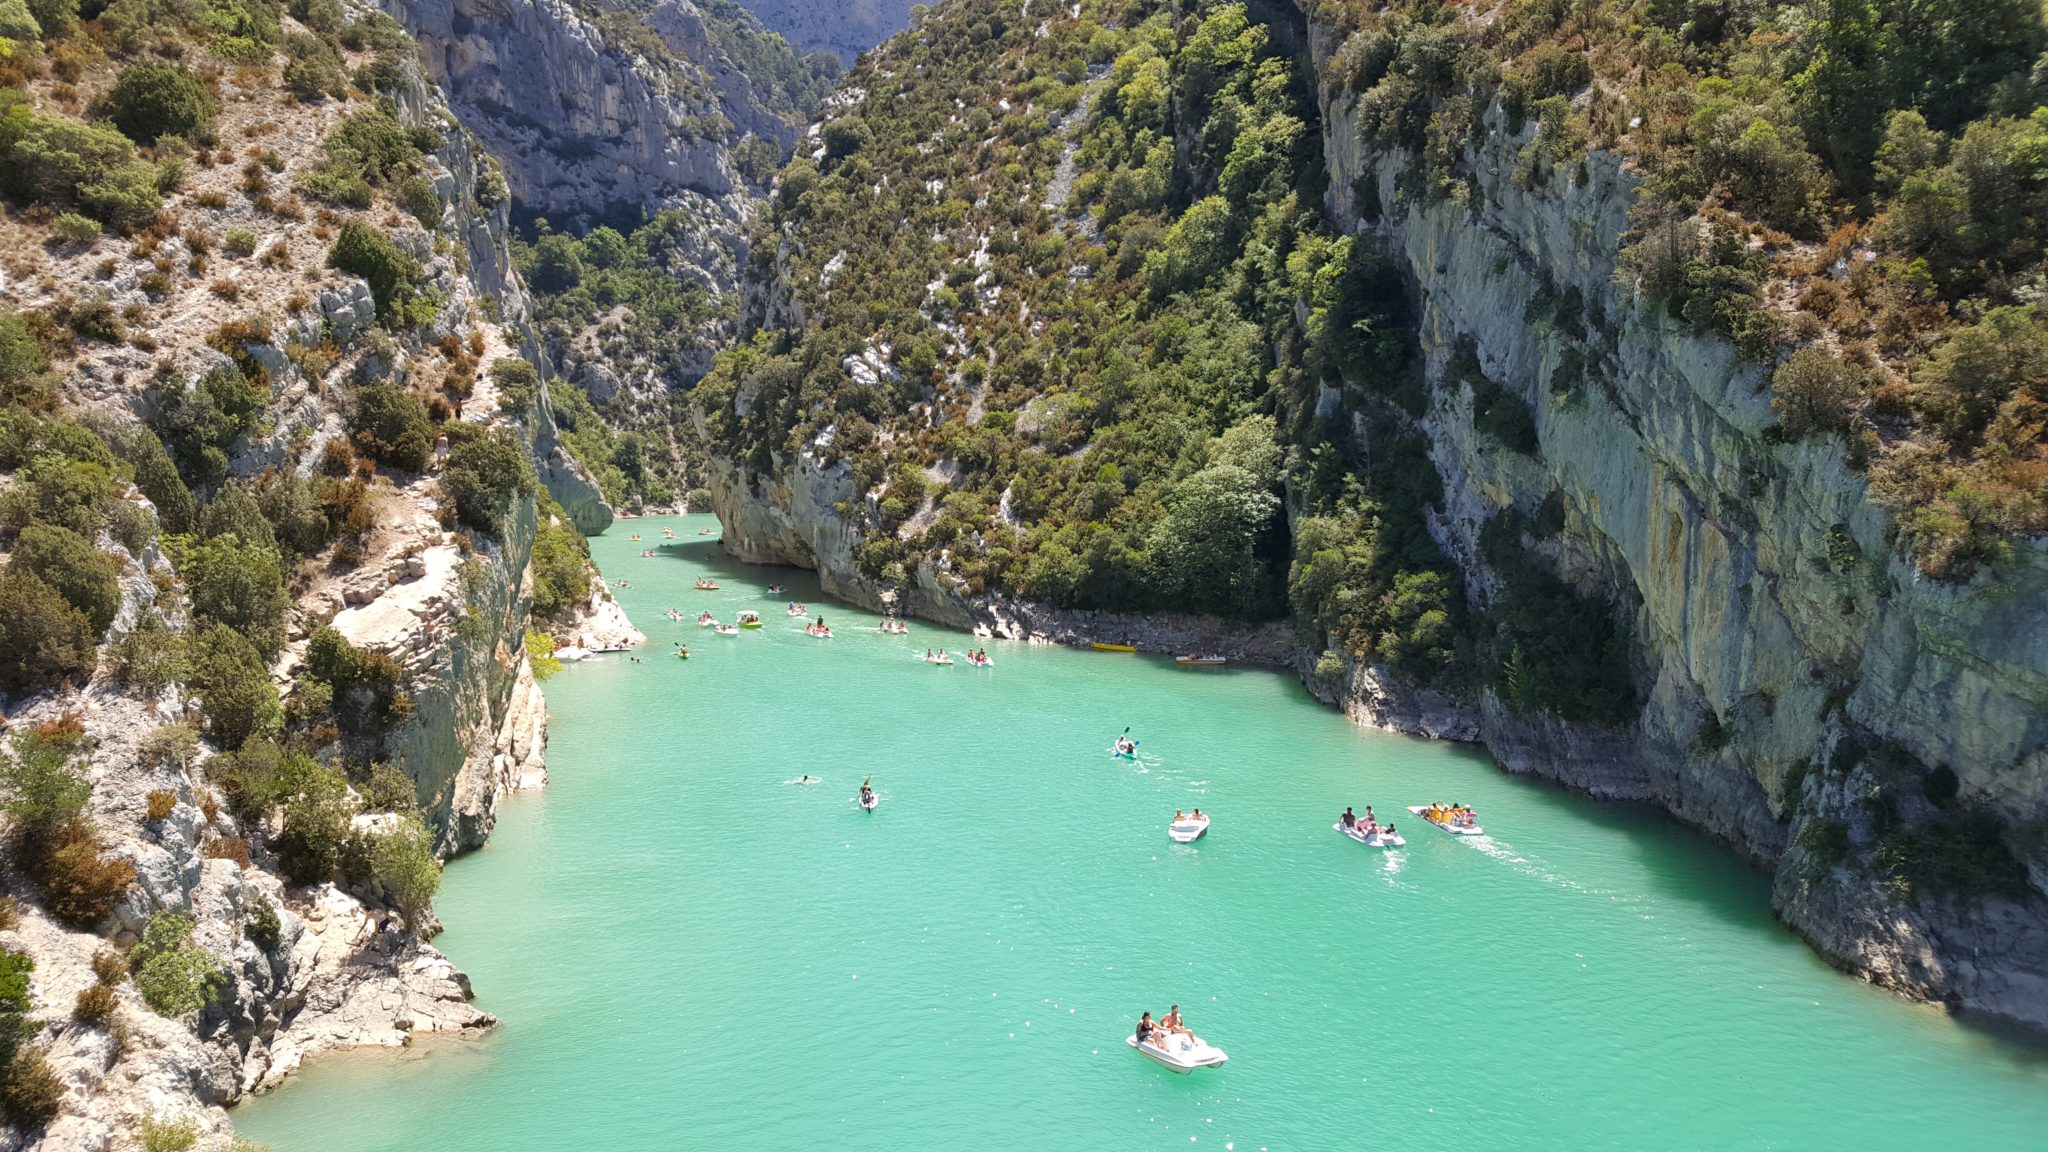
(1767, 605)
(583, 121)
(847, 29)
(451, 609)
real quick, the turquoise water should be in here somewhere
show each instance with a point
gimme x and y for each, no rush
(690, 952)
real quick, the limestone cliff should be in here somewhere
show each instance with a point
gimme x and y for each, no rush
(584, 122)
(846, 29)
(449, 608)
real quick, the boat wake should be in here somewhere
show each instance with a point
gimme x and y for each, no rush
(802, 780)
(1534, 869)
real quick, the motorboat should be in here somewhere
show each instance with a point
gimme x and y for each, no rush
(750, 620)
(1179, 1053)
(1452, 827)
(1187, 829)
(1375, 838)
(1200, 661)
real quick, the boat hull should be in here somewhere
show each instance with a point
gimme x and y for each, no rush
(1180, 1063)
(1099, 646)
(1370, 840)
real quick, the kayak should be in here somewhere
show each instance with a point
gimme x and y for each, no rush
(1182, 1054)
(1122, 755)
(1099, 646)
(1453, 829)
(870, 802)
(1374, 839)
(1187, 830)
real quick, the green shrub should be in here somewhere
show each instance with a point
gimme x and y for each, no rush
(263, 928)
(416, 194)
(149, 657)
(17, 22)
(561, 573)
(43, 639)
(237, 584)
(63, 162)
(518, 384)
(485, 470)
(173, 973)
(168, 1135)
(362, 250)
(21, 357)
(1816, 394)
(199, 423)
(313, 69)
(157, 99)
(67, 562)
(402, 861)
(391, 427)
(72, 228)
(40, 785)
(240, 241)
(233, 685)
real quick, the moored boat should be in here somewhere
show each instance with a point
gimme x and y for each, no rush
(1100, 646)
(1451, 826)
(1200, 661)
(1179, 1053)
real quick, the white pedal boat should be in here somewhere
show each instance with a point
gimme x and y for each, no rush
(1188, 829)
(1377, 838)
(1176, 1053)
(1453, 829)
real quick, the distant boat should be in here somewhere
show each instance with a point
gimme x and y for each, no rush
(1187, 829)
(1200, 661)
(1099, 646)
(750, 620)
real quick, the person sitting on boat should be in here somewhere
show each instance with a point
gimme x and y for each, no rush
(1197, 816)
(1145, 1028)
(1388, 831)
(806, 778)
(1178, 816)
(1125, 746)
(1347, 819)
(1171, 1022)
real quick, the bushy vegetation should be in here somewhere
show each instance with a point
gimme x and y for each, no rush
(393, 277)
(155, 99)
(30, 1093)
(172, 972)
(68, 164)
(1109, 376)
(486, 468)
(45, 791)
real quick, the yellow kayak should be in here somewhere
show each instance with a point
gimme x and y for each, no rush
(1099, 646)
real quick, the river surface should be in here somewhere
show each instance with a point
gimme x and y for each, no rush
(688, 950)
